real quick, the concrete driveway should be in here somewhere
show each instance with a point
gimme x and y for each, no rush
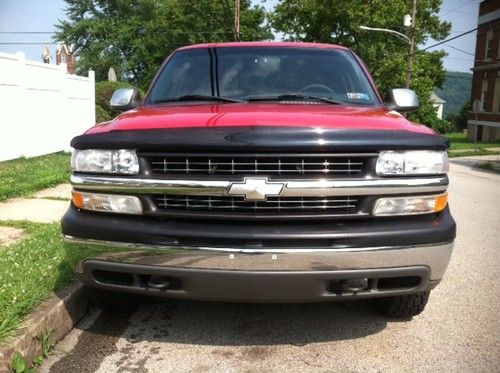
(458, 331)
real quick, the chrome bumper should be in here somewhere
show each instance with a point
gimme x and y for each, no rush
(435, 257)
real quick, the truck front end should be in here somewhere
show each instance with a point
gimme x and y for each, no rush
(231, 196)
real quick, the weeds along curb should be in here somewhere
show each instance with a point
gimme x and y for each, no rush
(57, 314)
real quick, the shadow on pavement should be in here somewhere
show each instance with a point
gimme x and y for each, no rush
(232, 324)
(220, 324)
(480, 164)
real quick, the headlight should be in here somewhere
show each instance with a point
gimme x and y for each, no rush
(410, 205)
(107, 203)
(105, 161)
(414, 162)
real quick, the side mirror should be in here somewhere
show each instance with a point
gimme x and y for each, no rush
(125, 99)
(403, 100)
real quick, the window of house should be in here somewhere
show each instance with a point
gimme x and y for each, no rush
(489, 44)
(496, 94)
(484, 90)
(63, 58)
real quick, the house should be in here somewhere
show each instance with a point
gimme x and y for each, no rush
(46, 56)
(66, 55)
(486, 75)
(438, 103)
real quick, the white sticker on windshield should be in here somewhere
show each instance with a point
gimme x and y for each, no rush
(358, 96)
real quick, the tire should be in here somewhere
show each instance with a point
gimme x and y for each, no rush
(403, 306)
(113, 301)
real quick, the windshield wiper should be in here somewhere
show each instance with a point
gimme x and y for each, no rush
(292, 96)
(197, 98)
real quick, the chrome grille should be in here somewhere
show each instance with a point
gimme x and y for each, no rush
(335, 205)
(286, 165)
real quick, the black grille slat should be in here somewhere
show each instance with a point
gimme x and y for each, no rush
(247, 165)
(272, 204)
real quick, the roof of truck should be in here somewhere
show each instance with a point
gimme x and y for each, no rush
(285, 44)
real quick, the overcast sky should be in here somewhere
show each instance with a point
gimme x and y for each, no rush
(41, 15)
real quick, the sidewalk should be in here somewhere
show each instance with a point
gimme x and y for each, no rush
(475, 161)
(472, 150)
(47, 206)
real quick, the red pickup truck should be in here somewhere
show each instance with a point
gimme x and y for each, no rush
(262, 172)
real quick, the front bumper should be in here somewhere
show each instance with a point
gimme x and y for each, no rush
(245, 275)
(260, 262)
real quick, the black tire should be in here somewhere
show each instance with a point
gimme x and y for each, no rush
(113, 301)
(403, 306)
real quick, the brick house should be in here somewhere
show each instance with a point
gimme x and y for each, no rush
(486, 74)
(66, 55)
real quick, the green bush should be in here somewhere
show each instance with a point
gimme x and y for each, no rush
(101, 115)
(442, 126)
(460, 120)
(103, 92)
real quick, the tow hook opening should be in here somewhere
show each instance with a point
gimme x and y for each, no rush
(158, 282)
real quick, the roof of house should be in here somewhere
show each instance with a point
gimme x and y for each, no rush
(436, 99)
(67, 50)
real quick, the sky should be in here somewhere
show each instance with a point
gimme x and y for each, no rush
(41, 15)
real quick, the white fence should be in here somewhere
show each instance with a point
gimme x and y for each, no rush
(41, 107)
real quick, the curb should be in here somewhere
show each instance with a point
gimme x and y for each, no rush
(59, 313)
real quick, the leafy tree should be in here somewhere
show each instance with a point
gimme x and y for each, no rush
(460, 120)
(338, 21)
(134, 36)
(101, 115)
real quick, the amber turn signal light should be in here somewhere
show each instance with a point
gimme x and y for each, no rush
(77, 199)
(441, 202)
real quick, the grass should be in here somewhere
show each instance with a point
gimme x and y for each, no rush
(490, 166)
(471, 153)
(31, 270)
(458, 141)
(24, 176)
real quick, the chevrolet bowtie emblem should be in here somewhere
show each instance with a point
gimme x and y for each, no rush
(256, 188)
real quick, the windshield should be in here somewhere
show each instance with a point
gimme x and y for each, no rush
(261, 74)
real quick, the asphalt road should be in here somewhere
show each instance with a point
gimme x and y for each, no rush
(458, 331)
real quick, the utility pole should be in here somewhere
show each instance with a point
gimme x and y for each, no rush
(237, 20)
(412, 44)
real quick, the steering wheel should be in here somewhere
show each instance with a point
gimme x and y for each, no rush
(318, 85)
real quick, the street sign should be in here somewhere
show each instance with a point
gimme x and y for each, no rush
(476, 106)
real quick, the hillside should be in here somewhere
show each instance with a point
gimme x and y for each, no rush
(455, 91)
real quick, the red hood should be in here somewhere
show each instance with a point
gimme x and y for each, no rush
(224, 115)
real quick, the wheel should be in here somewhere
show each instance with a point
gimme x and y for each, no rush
(403, 306)
(113, 301)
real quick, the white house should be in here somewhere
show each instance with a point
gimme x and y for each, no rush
(438, 103)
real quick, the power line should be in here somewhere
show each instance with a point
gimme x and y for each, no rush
(176, 31)
(450, 39)
(26, 43)
(26, 32)
(458, 7)
(460, 50)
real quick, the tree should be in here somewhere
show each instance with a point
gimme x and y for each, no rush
(338, 21)
(460, 120)
(135, 36)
